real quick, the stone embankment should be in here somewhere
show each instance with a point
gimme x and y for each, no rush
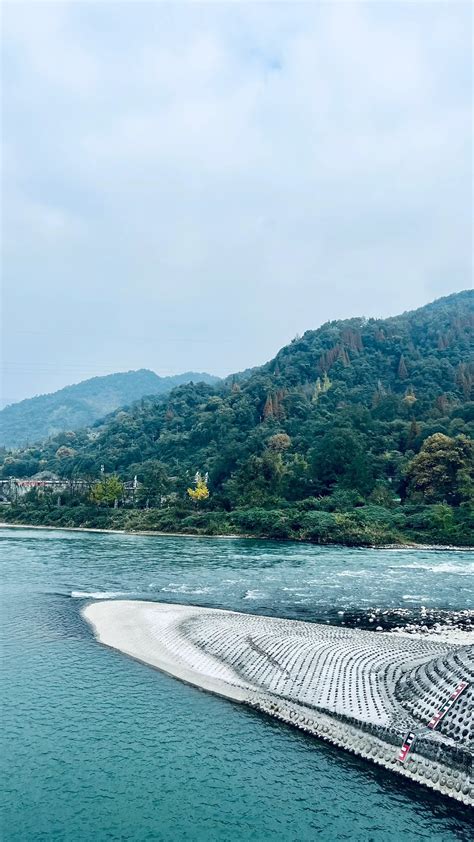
(359, 690)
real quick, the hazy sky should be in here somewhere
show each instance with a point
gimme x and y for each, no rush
(188, 186)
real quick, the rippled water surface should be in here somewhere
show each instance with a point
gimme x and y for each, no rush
(98, 747)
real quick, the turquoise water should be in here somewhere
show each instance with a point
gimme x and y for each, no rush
(98, 747)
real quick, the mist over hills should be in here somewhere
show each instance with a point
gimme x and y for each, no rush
(81, 404)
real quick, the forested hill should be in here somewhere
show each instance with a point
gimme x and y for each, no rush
(368, 417)
(80, 405)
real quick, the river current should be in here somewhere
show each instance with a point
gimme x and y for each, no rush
(98, 747)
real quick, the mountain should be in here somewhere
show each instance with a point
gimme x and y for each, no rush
(357, 431)
(82, 404)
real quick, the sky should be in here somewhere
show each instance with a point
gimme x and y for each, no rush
(188, 186)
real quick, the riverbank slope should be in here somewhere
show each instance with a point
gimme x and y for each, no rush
(361, 691)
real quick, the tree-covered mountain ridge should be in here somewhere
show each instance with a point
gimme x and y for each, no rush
(81, 404)
(358, 431)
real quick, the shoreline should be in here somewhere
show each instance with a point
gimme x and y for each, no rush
(155, 534)
(150, 533)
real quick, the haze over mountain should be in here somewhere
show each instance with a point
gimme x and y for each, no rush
(84, 403)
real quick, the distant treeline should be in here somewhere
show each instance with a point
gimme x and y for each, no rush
(82, 404)
(359, 432)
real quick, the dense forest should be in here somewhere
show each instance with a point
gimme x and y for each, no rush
(359, 432)
(83, 403)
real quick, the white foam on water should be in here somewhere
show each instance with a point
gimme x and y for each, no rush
(99, 594)
(254, 594)
(459, 637)
(462, 569)
(174, 587)
(411, 596)
(446, 567)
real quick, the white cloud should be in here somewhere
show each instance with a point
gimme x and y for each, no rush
(252, 169)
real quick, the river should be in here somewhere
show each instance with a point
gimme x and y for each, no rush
(97, 746)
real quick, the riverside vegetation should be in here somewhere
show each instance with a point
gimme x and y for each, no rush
(360, 432)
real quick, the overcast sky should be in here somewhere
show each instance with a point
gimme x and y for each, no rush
(188, 186)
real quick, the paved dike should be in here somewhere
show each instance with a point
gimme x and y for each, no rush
(405, 704)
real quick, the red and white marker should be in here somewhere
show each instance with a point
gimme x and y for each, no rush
(437, 717)
(407, 744)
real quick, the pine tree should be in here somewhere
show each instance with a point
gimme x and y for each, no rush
(465, 378)
(344, 357)
(413, 433)
(276, 406)
(317, 390)
(402, 369)
(379, 393)
(278, 410)
(326, 382)
(442, 403)
(268, 408)
(353, 339)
